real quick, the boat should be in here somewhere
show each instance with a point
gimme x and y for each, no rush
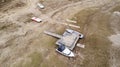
(62, 49)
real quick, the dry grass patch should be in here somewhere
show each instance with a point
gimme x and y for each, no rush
(96, 28)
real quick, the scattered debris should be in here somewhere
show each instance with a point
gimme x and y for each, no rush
(53, 34)
(71, 21)
(41, 5)
(116, 12)
(74, 26)
(64, 24)
(36, 19)
(71, 25)
(81, 45)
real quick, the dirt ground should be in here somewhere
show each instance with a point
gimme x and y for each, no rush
(23, 43)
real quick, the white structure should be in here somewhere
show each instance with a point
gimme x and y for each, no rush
(81, 45)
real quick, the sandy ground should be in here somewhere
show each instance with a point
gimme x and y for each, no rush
(115, 51)
(22, 41)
